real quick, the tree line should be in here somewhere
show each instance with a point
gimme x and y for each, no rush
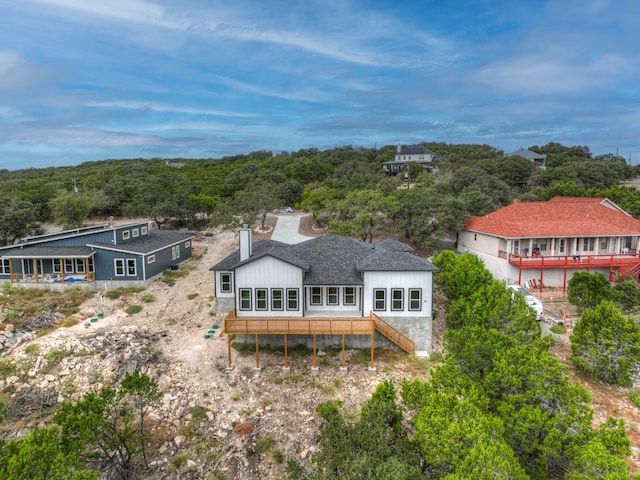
(344, 188)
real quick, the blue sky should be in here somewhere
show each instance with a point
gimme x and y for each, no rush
(85, 80)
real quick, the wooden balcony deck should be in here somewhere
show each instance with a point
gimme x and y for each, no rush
(313, 326)
(623, 262)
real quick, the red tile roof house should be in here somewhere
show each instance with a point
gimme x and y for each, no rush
(545, 243)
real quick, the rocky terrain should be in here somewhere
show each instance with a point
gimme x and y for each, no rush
(212, 422)
(243, 423)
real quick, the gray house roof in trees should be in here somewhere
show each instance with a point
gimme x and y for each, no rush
(335, 260)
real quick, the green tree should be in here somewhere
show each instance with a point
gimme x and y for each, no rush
(107, 427)
(70, 209)
(41, 456)
(606, 344)
(142, 393)
(465, 275)
(376, 446)
(587, 290)
(17, 219)
(493, 306)
(362, 213)
(318, 201)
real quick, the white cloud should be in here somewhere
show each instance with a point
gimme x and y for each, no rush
(138, 11)
(158, 107)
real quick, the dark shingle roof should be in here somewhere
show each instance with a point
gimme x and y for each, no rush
(156, 240)
(415, 149)
(335, 260)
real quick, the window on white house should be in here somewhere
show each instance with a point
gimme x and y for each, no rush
(125, 235)
(261, 299)
(131, 267)
(333, 297)
(603, 243)
(276, 299)
(151, 259)
(415, 299)
(225, 283)
(379, 299)
(292, 299)
(316, 296)
(516, 247)
(627, 242)
(588, 244)
(245, 299)
(543, 244)
(397, 300)
(119, 267)
(563, 244)
(349, 295)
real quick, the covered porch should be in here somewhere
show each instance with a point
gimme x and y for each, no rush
(313, 326)
(50, 266)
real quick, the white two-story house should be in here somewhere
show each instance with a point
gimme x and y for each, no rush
(332, 290)
(545, 243)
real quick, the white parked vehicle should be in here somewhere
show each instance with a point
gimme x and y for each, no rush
(283, 210)
(532, 301)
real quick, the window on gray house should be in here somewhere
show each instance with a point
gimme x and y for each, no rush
(119, 267)
(131, 267)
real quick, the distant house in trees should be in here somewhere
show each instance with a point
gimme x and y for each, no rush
(540, 159)
(94, 257)
(411, 154)
(328, 290)
(547, 242)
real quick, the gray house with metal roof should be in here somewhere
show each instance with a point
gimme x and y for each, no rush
(540, 159)
(94, 257)
(328, 287)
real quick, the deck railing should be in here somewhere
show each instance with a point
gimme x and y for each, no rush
(316, 326)
(581, 261)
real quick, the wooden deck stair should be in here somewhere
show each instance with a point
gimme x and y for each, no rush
(401, 340)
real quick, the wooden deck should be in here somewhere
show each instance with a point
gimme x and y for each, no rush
(313, 326)
(621, 261)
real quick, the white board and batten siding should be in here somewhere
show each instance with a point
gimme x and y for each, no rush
(391, 281)
(269, 272)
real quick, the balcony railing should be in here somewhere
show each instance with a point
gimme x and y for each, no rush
(579, 261)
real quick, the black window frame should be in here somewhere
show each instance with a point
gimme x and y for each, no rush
(376, 299)
(226, 286)
(413, 300)
(262, 303)
(345, 295)
(395, 306)
(295, 298)
(277, 299)
(336, 296)
(242, 300)
(315, 296)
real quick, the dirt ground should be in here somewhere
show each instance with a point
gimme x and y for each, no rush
(247, 405)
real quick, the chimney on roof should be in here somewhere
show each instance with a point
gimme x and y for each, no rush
(399, 148)
(245, 243)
